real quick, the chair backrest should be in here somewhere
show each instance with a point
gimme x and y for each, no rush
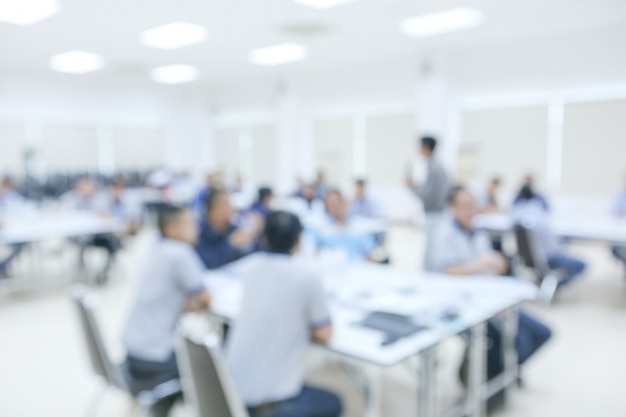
(527, 249)
(205, 379)
(100, 361)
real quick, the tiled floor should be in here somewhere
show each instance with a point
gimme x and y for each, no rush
(44, 370)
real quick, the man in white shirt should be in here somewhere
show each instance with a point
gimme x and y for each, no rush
(284, 307)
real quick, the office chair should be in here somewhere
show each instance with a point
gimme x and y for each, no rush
(205, 379)
(547, 278)
(144, 391)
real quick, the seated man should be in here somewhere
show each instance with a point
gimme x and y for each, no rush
(619, 211)
(10, 202)
(171, 284)
(263, 205)
(83, 198)
(363, 204)
(459, 249)
(529, 207)
(283, 308)
(220, 241)
(338, 234)
(529, 182)
(489, 202)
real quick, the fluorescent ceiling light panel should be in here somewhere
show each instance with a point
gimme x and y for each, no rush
(174, 35)
(76, 62)
(27, 12)
(174, 74)
(442, 22)
(322, 4)
(278, 54)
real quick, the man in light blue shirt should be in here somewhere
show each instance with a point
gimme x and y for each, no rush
(461, 250)
(529, 208)
(171, 284)
(363, 205)
(284, 308)
(338, 234)
(619, 211)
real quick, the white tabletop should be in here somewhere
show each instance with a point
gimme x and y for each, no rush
(355, 290)
(602, 229)
(37, 226)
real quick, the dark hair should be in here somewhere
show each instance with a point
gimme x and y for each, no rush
(526, 193)
(430, 142)
(360, 181)
(282, 231)
(454, 192)
(167, 215)
(7, 180)
(264, 192)
(496, 180)
(117, 183)
(212, 196)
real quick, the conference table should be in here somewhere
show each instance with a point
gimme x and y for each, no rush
(40, 226)
(445, 305)
(36, 226)
(568, 227)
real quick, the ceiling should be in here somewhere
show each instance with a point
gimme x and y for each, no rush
(358, 33)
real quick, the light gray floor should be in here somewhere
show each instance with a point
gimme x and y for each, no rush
(44, 370)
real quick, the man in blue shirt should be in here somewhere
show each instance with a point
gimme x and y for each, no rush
(221, 242)
(262, 206)
(529, 181)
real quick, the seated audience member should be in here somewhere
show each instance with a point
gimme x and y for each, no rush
(83, 198)
(619, 211)
(320, 186)
(263, 204)
(339, 234)
(459, 249)
(220, 242)
(363, 204)
(529, 208)
(529, 182)
(307, 193)
(170, 285)
(10, 202)
(201, 198)
(115, 204)
(489, 202)
(267, 344)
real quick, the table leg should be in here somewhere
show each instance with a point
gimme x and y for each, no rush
(477, 371)
(427, 383)
(373, 395)
(509, 334)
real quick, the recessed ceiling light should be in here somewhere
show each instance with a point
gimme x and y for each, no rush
(27, 12)
(278, 54)
(442, 22)
(174, 74)
(322, 4)
(76, 62)
(174, 35)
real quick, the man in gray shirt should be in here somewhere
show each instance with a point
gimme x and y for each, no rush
(432, 192)
(171, 284)
(283, 308)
